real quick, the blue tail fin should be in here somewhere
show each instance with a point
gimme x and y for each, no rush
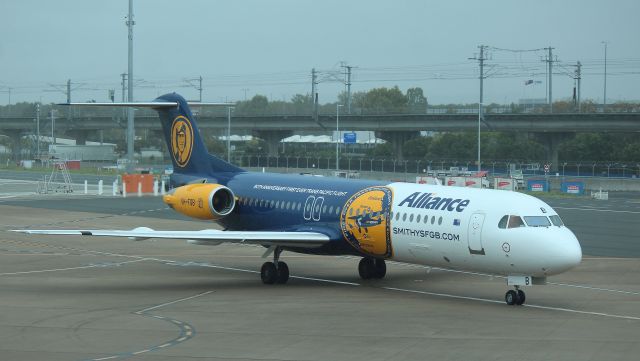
(188, 152)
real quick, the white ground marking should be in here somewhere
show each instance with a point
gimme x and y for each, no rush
(597, 210)
(66, 269)
(105, 358)
(594, 288)
(633, 318)
(173, 302)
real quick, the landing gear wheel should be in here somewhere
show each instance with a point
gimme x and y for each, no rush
(269, 273)
(511, 297)
(380, 269)
(521, 297)
(282, 273)
(366, 268)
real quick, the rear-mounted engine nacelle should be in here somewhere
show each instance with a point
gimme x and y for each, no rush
(202, 200)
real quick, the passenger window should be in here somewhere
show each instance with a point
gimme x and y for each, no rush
(278, 204)
(515, 222)
(418, 219)
(299, 206)
(411, 218)
(503, 222)
(331, 209)
(397, 216)
(426, 219)
(556, 220)
(439, 220)
(404, 217)
(433, 219)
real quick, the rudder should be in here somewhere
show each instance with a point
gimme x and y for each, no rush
(188, 153)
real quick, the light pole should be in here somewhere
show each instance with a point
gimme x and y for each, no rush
(479, 120)
(604, 101)
(53, 127)
(229, 134)
(38, 130)
(130, 111)
(337, 133)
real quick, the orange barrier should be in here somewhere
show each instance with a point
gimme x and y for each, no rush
(131, 182)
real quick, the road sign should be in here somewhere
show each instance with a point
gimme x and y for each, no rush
(349, 138)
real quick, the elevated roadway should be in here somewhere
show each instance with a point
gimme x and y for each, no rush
(549, 129)
(566, 122)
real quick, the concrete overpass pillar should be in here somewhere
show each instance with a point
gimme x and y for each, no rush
(272, 138)
(551, 143)
(16, 143)
(397, 140)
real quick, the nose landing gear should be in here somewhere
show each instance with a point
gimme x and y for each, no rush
(515, 297)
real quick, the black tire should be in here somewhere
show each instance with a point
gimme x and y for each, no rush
(283, 273)
(521, 297)
(366, 268)
(380, 268)
(511, 297)
(268, 273)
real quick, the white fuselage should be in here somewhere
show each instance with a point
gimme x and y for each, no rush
(464, 233)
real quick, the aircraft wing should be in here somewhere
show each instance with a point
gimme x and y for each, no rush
(204, 237)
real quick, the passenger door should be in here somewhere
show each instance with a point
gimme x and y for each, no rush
(475, 234)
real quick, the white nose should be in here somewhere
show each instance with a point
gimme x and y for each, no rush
(569, 253)
(573, 254)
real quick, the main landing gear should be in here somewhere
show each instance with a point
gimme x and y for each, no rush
(372, 268)
(515, 297)
(276, 271)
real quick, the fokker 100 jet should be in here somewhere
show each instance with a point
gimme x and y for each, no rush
(478, 230)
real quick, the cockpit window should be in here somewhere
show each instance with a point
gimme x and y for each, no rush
(515, 222)
(503, 222)
(555, 219)
(537, 221)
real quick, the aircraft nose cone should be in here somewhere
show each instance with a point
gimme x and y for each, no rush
(570, 255)
(573, 254)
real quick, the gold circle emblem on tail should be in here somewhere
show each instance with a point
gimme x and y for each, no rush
(181, 140)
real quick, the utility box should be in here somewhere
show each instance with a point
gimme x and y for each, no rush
(130, 182)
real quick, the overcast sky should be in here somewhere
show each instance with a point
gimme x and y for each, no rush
(269, 47)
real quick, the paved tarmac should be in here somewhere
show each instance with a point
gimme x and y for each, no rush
(76, 298)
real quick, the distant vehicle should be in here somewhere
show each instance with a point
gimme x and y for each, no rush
(477, 230)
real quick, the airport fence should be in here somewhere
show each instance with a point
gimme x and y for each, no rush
(398, 168)
(421, 166)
